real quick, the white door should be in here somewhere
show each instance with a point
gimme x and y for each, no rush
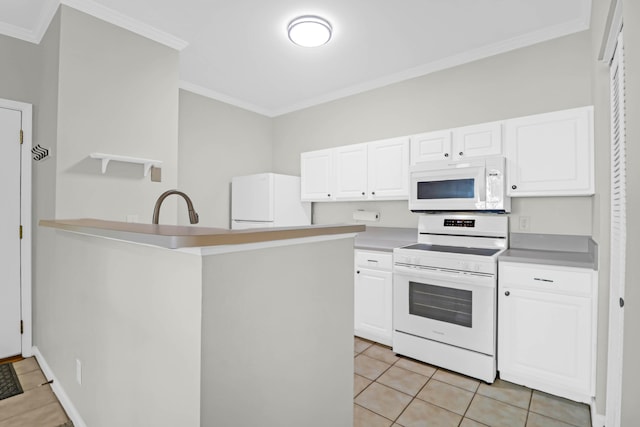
(544, 341)
(372, 294)
(316, 175)
(431, 146)
(550, 154)
(389, 169)
(477, 140)
(10, 339)
(617, 273)
(351, 172)
(252, 197)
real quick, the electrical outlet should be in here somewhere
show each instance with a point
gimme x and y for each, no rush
(79, 371)
(524, 223)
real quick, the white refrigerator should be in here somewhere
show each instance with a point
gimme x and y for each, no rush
(267, 200)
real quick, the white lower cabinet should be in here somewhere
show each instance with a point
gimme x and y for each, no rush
(373, 296)
(547, 328)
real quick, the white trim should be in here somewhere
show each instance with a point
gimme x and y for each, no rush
(57, 388)
(25, 219)
(46, 16)
(35, 35)
(518, 42)
(17, 32)
(449, 62)
(613, 28)
(212, 94)
(123, 21)
(226, 249)
(597, 420)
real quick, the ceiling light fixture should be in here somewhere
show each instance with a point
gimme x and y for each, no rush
(309, 31)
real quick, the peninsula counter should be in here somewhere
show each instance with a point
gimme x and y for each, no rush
(195, 326)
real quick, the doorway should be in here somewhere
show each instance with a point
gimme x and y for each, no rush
(15, 228)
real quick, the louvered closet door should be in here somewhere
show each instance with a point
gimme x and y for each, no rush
(618, 237)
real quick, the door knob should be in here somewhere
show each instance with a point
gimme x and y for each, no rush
(446, 154)
(461, 153)
(507, 293)
(513, 187)
(358, 272)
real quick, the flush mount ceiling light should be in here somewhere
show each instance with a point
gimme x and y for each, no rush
(309, 31)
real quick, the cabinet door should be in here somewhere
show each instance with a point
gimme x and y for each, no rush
(316, 180)
(550, 154)
(388, 177)
(351, 172)
(478, 140)
(372, 314)
(426, 147)
(544, 341)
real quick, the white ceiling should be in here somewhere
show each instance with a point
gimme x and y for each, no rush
(237, 51)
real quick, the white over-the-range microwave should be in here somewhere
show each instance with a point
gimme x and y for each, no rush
(465, 185)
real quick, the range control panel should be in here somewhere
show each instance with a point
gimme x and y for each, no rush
(448, 222)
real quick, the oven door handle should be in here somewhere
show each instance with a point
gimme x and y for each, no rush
(440, 276)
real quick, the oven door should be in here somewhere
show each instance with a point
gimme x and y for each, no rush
(448, 187)
(452, 308)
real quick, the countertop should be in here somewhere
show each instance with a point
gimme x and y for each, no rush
(385, 238)
(178, 236)
(552, 249)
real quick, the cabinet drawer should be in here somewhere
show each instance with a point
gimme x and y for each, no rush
(372, 259)
(565, 280)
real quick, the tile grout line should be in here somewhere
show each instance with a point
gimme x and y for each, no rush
(475, 393)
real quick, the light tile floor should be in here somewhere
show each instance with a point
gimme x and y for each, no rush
(388, 391)
(37, 406)
(398, 391)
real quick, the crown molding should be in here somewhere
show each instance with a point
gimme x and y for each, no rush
(514, 43)
(18, 32)
(208, 93)
(123, 21)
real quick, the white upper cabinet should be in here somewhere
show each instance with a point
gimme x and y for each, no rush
(317, 176)
(456, 144)
(550, 154)
(478, 140)
(388, 174)
(430, 146)
(376, 170)
(351, 172)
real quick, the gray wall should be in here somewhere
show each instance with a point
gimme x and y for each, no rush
(545, 77)
(105, 89)
(131, 315)
(20, 70)
(277, 337)
(44, 172)
(118, 94)
(217, 142)
(631, 372)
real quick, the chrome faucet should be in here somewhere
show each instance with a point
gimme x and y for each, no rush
(193, 215)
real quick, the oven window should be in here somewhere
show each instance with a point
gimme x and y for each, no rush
(449, 189)
(441, 303)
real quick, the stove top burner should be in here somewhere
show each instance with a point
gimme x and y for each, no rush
(453, 249)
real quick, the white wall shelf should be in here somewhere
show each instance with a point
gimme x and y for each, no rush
(106, 158)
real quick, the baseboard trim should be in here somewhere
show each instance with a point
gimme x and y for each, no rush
(62, 396)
